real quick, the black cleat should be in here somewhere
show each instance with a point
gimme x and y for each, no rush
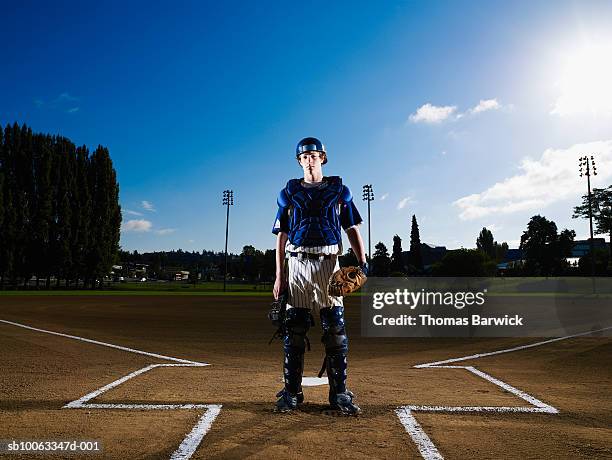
(343, 403)
(288, 402)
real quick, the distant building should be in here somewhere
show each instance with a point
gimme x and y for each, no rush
(430, 254)
(583, 247)
(176, 273)
(512, 259)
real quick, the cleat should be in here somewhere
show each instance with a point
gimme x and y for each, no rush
(343, 403)
(299, 395)
(287, 402)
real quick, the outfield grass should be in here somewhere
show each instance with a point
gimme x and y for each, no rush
(93, 292)
(206, 288)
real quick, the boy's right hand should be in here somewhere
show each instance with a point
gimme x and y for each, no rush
(279, 286)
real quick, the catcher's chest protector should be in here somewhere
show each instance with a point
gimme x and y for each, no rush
(314, 219)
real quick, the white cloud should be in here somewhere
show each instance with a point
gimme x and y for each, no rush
(148, 206)
(494, 227)
(66, 97)
(137, 226)
(552, 178)
(165, 231)
(403, 202)
(73, 109)
(384, 197)
(428, 113)
(131, 213)
(484, 105)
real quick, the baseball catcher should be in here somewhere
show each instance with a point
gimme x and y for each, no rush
(311, 213)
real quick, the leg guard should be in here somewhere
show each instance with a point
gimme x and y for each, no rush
(336, 348)
(298, 321)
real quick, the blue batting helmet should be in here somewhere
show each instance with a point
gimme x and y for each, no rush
(310, 144)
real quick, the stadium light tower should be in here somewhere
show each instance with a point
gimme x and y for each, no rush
(589, 169)
(368, 195)
(228, 200)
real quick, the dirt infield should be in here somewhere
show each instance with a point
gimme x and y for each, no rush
(43, 372)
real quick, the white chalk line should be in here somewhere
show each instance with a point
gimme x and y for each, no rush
(508, 350)
(426, 447)
(193, 439)
(105, 344)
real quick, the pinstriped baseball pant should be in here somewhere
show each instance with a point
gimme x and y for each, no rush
(308, 280)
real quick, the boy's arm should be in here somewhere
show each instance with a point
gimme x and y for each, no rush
(354, 237)
(280, 283)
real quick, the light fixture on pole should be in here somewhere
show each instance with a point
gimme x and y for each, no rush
(587, 168)
(228, 200)
(368, 195)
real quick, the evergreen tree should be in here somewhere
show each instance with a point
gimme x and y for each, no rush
(2, 203)
(41, 215)
(601, 206)
(543, 249)
(500, 251)
(465, 262)
(9, 229)
(106, 215)
(397, 264)
(63, 211)
(416, 258)
(381, 262)
(81, 215)
(485, 242)
(22, 179)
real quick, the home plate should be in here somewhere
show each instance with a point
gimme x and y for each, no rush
(314, 381)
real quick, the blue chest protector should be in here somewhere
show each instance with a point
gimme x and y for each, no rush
(314, 218)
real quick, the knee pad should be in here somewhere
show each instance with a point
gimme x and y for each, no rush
(334, 333)
(297, 324)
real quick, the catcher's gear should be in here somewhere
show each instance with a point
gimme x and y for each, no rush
(345, 281)
(315, 216)
(336, 349)
(343, 402)
(310, 144)
(277, 313)
(297, 323)
(334, 333)
(286, 402)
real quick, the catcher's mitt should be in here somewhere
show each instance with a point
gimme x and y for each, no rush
(345, 281)
(277, 313)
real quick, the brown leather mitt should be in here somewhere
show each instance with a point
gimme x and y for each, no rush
(345, 281)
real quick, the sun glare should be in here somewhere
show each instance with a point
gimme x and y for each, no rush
(585, 81)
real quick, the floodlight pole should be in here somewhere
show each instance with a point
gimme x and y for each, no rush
(589, 168)
(228, 200)
(368, 195)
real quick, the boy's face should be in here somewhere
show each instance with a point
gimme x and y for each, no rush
(310, 161)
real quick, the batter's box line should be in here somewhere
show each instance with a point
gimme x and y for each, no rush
(193, 439)
(190, 443)
(425, 445)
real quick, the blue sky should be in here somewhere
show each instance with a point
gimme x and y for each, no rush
(467, 114)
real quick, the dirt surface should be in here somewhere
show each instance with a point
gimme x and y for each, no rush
(43, 372)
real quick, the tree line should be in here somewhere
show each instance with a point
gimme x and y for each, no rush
(59, 209)
(60, 218)
(544, 252)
